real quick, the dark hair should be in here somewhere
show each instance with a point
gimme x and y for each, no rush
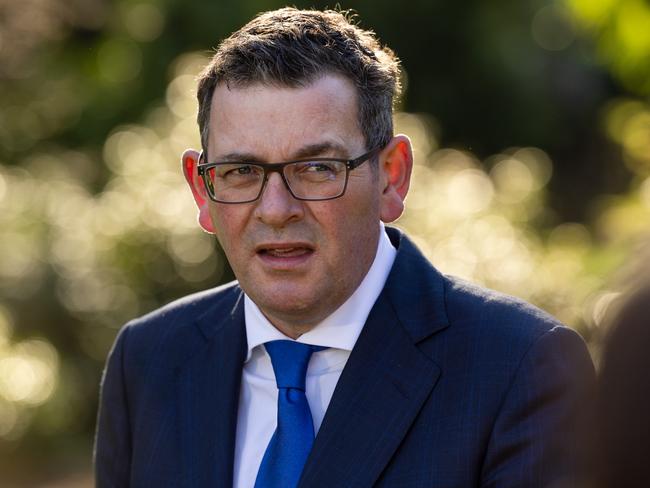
(292, 48)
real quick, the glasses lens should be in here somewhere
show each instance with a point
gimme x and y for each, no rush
(316, 180)
(235, 182)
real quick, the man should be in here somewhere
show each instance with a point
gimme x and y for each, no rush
(409, 378)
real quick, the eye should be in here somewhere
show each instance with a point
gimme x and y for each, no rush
(317, 166)
(241, 170)
(316, 172)
(331, 167)
(230, 171)
(235, 175)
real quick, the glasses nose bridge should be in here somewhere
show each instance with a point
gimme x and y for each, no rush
(276, 168)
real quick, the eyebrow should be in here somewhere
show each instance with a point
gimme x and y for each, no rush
(309, 150)
(321, 148)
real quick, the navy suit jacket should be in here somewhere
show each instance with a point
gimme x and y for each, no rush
(448, 385)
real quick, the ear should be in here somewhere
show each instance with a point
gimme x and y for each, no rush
(189, 160)
(395, 166)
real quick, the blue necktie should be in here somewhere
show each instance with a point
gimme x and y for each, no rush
(293, 438)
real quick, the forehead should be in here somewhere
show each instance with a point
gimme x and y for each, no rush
(274, 122)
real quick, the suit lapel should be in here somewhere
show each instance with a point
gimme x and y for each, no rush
(380, 392)
(386, 380)
(208, 397)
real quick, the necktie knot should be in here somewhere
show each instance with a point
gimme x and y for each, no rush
(290, 360)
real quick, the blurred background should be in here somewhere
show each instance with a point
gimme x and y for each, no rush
(531, 126)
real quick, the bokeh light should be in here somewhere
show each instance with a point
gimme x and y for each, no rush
(28, 377)
(620, 28)
(143, 20)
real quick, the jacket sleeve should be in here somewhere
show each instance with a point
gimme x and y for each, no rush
(538, 439)
(112, 453)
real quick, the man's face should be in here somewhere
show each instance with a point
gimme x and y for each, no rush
(297, 260)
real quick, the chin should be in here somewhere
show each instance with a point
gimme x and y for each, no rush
(293, 310)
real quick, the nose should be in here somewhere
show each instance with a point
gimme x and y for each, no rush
(276, 206)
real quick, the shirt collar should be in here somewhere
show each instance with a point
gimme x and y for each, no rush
(341, 329)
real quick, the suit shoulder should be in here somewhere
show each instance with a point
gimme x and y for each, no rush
(182, 312)
(170, 333)
(499, 332)
(470, 306)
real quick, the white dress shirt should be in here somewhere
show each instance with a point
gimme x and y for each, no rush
(258, 400)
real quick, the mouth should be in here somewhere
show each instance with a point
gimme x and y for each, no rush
(283, 255)
(285, 252)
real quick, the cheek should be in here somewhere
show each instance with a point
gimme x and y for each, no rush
(350, 226)
(227, 226)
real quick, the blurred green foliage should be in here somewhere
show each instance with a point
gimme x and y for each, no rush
(531, 126)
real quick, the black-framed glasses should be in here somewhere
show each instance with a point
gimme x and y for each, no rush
(306, 179)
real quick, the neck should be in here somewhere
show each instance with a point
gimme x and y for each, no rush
(292, 328)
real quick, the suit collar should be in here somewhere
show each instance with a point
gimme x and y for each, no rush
(417, 290)
(226, 309)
